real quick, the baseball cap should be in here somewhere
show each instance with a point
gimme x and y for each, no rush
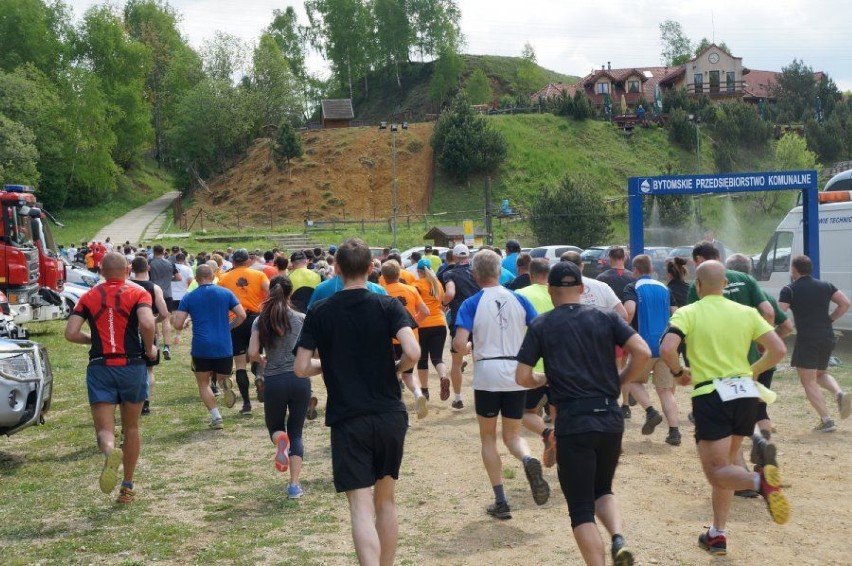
(298, 256)
(427, 249)
(332, 249)
(565, 274)
(240, 255)
(460, 250)
(424, 264)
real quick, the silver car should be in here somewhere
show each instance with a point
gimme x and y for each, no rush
(26, 385)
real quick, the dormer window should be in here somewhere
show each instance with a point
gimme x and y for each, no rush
(603, 88)
(633, 85)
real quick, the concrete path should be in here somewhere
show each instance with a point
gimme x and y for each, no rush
(140, 224)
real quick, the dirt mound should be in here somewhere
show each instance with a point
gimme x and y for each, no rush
(344, 174)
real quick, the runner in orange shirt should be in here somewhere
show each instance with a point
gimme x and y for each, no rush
(433, 329)
(251, 288)
(410, 299)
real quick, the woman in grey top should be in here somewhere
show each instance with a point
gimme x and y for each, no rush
(286, 396)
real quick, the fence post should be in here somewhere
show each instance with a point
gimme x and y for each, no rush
(362, 226)
(202, 220)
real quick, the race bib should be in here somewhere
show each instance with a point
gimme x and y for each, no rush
(732, 388)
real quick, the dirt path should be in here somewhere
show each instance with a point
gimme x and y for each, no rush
(138, 224)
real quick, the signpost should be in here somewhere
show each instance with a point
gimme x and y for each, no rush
(468, 233)
(805, 181)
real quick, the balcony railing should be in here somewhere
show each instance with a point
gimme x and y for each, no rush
(735, 88)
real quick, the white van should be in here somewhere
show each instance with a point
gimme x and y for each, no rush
(772, 270)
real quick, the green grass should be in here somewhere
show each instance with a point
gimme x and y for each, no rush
(138, 186)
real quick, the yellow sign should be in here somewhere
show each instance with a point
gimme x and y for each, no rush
(468, 232)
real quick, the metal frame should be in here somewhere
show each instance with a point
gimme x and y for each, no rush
(805, 181)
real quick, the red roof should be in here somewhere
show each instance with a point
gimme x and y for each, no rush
(649, 83)
(553, 90)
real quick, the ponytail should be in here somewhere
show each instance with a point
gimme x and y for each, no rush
(677, 268)
(274, 319)
(436, 289)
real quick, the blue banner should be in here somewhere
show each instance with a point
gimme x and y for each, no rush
(722, 183)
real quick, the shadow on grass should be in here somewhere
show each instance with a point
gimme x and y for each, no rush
(10, 462)
(83, 453)
(483, 535)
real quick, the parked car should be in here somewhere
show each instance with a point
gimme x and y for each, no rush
(552, 253)
(79, 275)
(71, 294)
(26, 385)
(659, 255)
(406, 255)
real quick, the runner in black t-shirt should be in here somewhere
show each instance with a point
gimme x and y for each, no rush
(352, 330)
(617, 277)
(577, 343)
(459, 284)
(810, 299)
(139, 270)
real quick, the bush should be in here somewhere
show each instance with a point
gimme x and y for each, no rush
(573, 213)
(464, 143)
(675, 99)
(682, 132)
(582, 106)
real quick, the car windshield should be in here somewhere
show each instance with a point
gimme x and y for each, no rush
(19, 227)
(538, 252)
(593, 253)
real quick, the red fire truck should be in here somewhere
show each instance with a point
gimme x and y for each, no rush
(30, 277)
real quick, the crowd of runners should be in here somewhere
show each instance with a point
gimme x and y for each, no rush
(552, 351)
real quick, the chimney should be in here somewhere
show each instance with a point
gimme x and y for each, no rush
(608, 66)
(602, 67)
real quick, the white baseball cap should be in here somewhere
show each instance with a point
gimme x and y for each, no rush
(460, 251)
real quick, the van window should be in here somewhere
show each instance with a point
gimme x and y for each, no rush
(775, 257)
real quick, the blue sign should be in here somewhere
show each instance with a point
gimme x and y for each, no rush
(806, 181)
(724, 183)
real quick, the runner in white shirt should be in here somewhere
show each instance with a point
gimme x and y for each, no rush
(179, 286)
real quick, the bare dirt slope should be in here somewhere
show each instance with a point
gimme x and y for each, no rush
(343, 174)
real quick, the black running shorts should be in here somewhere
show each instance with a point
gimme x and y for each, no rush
(534, 397)
(510, 404)
(716, 419)
(241, 335)
(365, 449)
(219, 366)
(586, 465)
(812, 354)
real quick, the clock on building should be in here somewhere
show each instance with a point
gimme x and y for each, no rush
(713, 57)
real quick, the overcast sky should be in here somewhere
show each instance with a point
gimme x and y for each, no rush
(572, 37)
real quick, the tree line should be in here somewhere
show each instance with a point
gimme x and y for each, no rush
(83, 101)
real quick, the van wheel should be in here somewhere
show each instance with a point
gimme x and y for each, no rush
(67, 307)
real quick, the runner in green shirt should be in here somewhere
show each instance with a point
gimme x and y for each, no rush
(539, 296)
(718, 333)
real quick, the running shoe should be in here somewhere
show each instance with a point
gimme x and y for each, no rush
(425, 393)
(230, 396)
(673, 438)
(422, 404)
(626, 412)
(216, 424)
(770, 489)
(167, 354)
(312, 409)
(538, 485)
(763, 453)
(631, 400)
(464, 365)
(457, 404)
(652, 419)
(246, 410)
(282, 456)
(146, 408)
(548, 459)
(717, 546)
(126, 495)
(258, 385)
(844, 405)
(826, 426)
(499, 510)
(746, 493)
(109, 475)
(294, 491)
(445, 388)
(621, 554)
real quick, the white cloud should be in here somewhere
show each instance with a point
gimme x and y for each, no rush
(573, 37)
